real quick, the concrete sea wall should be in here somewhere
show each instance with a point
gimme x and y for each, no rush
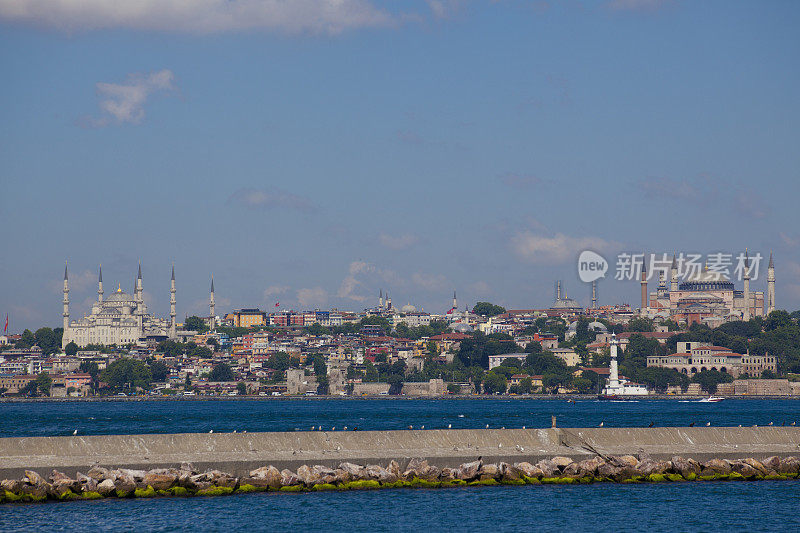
(239, 453)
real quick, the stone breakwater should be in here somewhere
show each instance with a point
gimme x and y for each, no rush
(101, 482)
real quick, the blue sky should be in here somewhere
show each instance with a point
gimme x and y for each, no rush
(313, 152)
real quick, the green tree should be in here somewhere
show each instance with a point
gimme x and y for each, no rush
(195, 323)
(188, 383)
(488, 309)
(241, 388)
(49, 340)
(279, 361)
(71, 348)
(221, 372)
(709, 379)
(494, 382)
(317, 329)
(371, 373)
(26, 340)
(39, 386)
(159, 370)
(640, 324)
(127, 373)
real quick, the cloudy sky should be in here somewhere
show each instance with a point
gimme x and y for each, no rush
(313, 152)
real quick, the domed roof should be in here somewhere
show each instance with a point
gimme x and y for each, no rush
(566, 303)
(119, 296)
(408, 308)
(461, 327)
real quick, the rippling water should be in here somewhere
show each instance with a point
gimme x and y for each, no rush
(709, 506)
(130, 417)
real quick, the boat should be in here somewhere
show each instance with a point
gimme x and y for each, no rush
(711, 399)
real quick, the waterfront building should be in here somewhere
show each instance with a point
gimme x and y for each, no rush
(694, 357)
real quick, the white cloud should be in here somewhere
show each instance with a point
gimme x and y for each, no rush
(122, 103)
(354, 279)
(275, 290)
(397, 242)
(559, 248)
(312, 298)
(199, 16)
(429, 281)
(269, 198)
(481, 288)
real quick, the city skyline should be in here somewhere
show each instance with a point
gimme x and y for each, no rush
(420, 149)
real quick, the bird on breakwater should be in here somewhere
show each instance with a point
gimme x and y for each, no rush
(691, 425)
(769, 424)
(487, 426)
(708, 424)
(410, 426)
(792, 424)
(523, 427)
(74, 432)
(333, 428)
(601, 424)
(449, 426)
(651, 424)
(234, 431)
(740, 425)
(211, 431)
(344, 428)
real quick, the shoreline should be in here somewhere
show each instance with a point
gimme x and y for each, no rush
(564, 397)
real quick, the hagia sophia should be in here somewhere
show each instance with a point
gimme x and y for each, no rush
(707, 297)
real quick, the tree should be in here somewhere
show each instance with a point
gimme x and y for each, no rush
(221, 372)
(211, 341)
(127, 373)
(317, 329)
(159, 370)
(71, 348)
(279, 361)
(26, 340)
(709, 379)
(494, 382)
(453, 388)
(488, 309)
(241, 388)
(49, 340)
(640, 324)
(39, 386)
(195, 323)
(371, 373)
(188, 383)
(639, 348)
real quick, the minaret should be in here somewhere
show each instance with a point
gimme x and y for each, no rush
(100, 286)
(172, 314)
(66, 301)
(388, 302)
(139, 300)
(455, 301)
(770, 285)
(380, 300)
(673, 285)
(558, 290)
(644, 287)
(746, 315)
(594, 294)
(212, 307)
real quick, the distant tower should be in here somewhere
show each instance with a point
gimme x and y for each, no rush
(558, 290)
(673, 285)
(746, 315)
(455, 301)
(173, 334)
(139, 299)
(388, 302)
(100, 286)
(770, 285)
(212, 308)
(644, 287)
(613, 374)
(380, 300)
(594, 294)
(66, 301)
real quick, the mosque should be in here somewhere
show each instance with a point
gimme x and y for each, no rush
(707, 297)
(120, 318)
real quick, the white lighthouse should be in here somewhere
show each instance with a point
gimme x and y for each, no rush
(620, 387)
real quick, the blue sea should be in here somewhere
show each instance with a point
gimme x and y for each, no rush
(708, 506)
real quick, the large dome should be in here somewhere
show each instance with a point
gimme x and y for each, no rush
(566, 303)
(408, 308)
(119, 296)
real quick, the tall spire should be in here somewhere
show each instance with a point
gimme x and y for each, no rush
(644, 285)
(65, 336)
(172, 313)
(673, 284)
(212, 305)
(770, 285)
(746, 292)
(100, 285)
(139, 276)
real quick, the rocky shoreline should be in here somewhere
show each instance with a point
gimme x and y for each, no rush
(101, 482)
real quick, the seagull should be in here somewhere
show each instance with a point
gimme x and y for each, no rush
(769, 423)
(601, 424)
(651, 424)
(344, 428)
(792, 424)
(410, 427)
(333, 428)
(487, 426)
(75, 432)
(708, 424)
(423, 427)
(449, 426)
(740, 425)
(691, 425)
(502, 427)
(234, 431)
(211, 431)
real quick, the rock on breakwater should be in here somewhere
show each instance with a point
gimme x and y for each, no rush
(101, 482)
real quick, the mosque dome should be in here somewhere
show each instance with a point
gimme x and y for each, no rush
(706, 280)
(566, 303)
(408, 308)
(461, 327)
(593, 326)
